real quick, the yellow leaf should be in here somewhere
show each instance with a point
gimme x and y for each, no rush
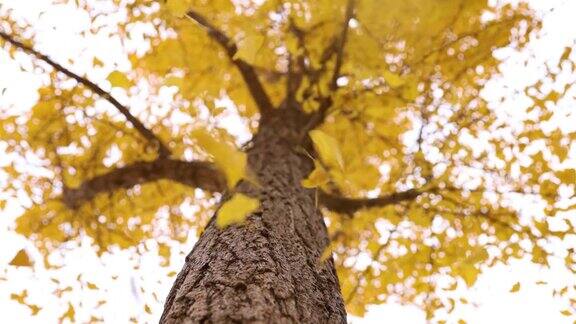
(228, 159)
(236, 210)
(292, 44)
(249, 48)
(34, 309)
(380, 112)
(174, 81)
(70, 313)
(566, 54)
(177, 7)
(147, 309)
(91, 286)
(164, 252)
(356, 309)
(420, 218)
(20, 297)
(96, 62)
(118, 79)
(469, 273)
(328, 251)
(567, 176)
(566, 312)
(328, 148)
(452, 286)
(515, 288)
(21, 259)
(393, 79)
(316, 178)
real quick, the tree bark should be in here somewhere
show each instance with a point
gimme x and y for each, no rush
(267, 270)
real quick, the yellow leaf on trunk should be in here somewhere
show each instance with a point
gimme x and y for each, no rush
(236, 210)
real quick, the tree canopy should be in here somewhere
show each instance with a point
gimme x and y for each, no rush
(423, 181)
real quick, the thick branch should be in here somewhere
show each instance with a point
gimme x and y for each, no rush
(246, 70)
(163, 150)
(195, 174)
(350, 205)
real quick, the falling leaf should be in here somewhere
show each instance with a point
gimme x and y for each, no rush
(236, 210)
(328, 148)
(119, 79)
(231, 161)
(20, 297)
(165, 252)
(97, 62)
(91, 286)
(565, 55)
(515, 288)
(452, 286)
(69, 314)
(21, 259)
(34, 309)
(566, 312)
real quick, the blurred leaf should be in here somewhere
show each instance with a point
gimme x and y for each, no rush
(236, 209)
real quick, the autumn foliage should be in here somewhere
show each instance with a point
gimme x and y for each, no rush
(416, 170)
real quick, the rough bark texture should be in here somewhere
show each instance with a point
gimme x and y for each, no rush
(268, 270)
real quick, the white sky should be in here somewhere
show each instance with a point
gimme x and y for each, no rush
(490, 301)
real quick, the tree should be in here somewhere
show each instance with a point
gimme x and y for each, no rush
(369, 139)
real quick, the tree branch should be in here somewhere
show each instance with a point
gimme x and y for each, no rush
(338, 46)
(341, 44)
(350, 205)
(163, 150)
(246, 70)
(196, 174)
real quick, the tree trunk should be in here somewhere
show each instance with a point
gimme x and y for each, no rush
(268, 269)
